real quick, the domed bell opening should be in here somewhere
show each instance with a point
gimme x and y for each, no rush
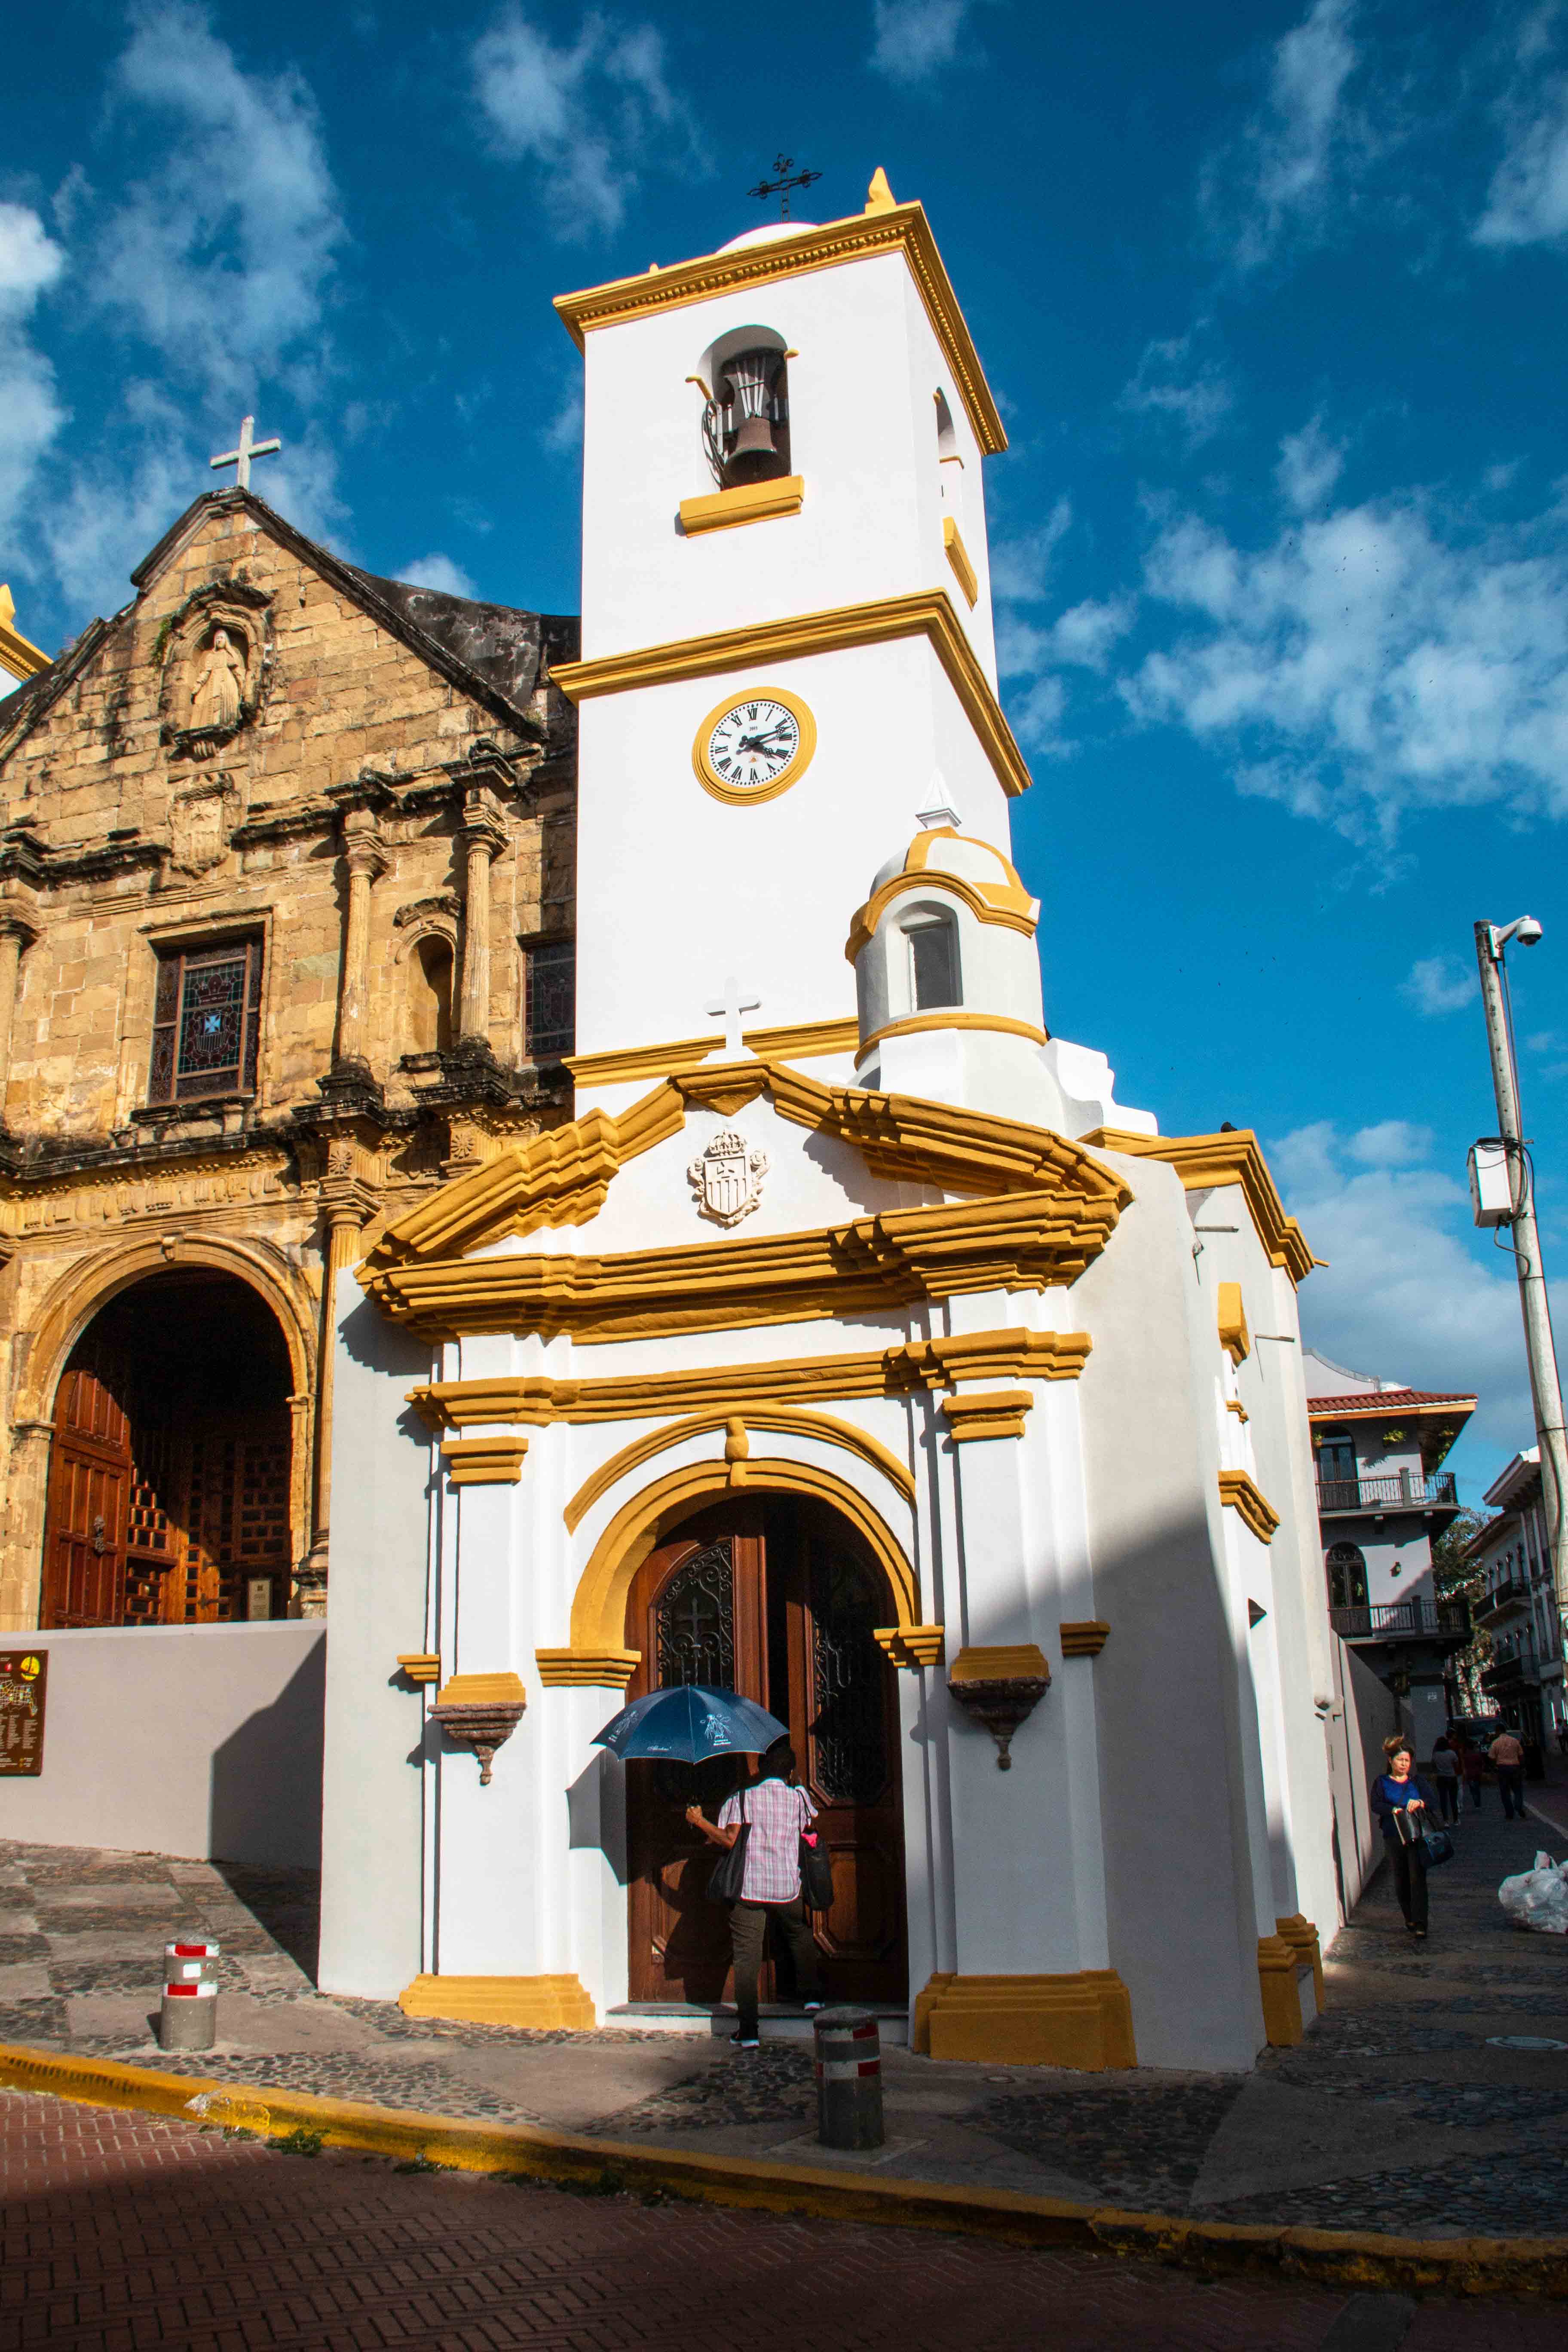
(752, 413)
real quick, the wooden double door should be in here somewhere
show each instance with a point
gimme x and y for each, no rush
(776, 1599)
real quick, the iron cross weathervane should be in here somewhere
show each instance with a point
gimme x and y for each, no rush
(788, 178)
(240, 459)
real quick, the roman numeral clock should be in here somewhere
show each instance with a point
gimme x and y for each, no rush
(754, 747)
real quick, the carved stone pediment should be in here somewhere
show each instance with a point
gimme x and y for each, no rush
(216, 654)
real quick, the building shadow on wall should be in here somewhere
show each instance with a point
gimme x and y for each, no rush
(264, 1818)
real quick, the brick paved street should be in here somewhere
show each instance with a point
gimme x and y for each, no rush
(126, 2231)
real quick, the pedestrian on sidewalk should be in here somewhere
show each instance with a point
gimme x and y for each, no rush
(1472, 1763)
(1402, 1799)
(775, 1811)
(1508, 1757)
(1446, 1773)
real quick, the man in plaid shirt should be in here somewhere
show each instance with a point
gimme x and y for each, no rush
(775, 1812)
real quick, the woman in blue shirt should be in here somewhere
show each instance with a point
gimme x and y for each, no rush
(1402, 1800)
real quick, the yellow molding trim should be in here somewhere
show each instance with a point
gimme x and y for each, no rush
(484, 1461)
(1006, 1662)
(919, 1366)
(599, 1604)
(861, 237)
(482, 1690)
(1204, 1161)
(420, 1665)
(991, 1413)
(1083, 1637)
(958, 555)
(1084, 2021)
(707, 775)
(582, 1669)
(1234, 1335)
(911, 1646)
(988, 902)
(537, 2002)
(1239, 1492)
(795, 1041)
(1002, 1023)
(1234, 1405)
(1277, 1962)
(927, 613)
(778, 1420)
(747, 502)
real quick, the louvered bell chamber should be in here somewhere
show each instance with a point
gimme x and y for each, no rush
(746, 426)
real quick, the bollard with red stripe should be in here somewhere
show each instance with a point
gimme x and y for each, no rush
(848, 2078)
(188, 2019)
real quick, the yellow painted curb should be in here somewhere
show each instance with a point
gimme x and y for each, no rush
(1330, 2257)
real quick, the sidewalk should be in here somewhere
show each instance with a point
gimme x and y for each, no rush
(1400, 2112)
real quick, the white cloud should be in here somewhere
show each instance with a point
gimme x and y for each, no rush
(587, 114)
(1020, 568)
(1391, 1143)
(1277, 178)
(562, 436)
(916, 37)
(1365, 662)
(30, 412)
(1439, 983)
(1172, 380)
(1405, 1293)
(1310, 464)
(1527, 203)
(220, 259)
(437, 571)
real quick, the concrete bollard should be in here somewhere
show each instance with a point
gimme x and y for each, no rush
(188, 2020)
(848, 2079)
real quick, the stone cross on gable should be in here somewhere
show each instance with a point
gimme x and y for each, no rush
(240, 459)
(729, 1008)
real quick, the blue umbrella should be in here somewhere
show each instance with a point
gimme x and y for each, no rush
(689, 1723)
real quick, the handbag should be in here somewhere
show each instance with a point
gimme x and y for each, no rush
(1438, 1847)
(728, 1874)
(815, 1872)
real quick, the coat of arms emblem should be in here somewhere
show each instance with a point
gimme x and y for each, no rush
(728, 1178)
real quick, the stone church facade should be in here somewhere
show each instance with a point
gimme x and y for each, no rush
(286, 941)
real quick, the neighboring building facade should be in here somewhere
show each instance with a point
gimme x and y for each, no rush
(286, 922)
(851, 1346)
(1382, 1498)
(1517, 1604)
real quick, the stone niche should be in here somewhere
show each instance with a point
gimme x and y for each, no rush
(214, 655)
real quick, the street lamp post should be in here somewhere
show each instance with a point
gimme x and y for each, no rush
(1491, 939)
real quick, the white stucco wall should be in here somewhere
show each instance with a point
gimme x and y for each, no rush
(197, 1740)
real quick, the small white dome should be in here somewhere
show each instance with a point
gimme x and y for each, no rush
(768, 235)
(944, 851)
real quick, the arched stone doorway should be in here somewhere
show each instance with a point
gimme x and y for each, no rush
(169, 1463)
(775, 1596)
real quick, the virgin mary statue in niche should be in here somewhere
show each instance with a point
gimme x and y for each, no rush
(219, 688)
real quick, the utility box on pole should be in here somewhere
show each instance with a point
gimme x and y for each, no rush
(1491, 1182)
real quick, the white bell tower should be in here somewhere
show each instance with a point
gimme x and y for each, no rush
(788, 646)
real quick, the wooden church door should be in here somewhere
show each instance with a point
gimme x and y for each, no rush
(778, 1604)
(89, 1478)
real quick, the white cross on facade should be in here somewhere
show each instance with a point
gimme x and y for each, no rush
(729, 1009)
(240, 459)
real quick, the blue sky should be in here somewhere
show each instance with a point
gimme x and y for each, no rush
(1272, 299)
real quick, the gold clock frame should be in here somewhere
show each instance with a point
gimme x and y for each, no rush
(708, 776)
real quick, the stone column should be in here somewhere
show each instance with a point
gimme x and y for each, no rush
(16, 935)
(342, 1221)
(484, 838)
(364, 858)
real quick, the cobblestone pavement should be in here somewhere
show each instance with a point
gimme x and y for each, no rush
(1399, 2111)
(130, 2233)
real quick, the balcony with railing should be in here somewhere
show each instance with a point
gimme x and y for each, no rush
(1415, 1620)
(1508, 1594)
(1406, 1490)
(1511, 1672)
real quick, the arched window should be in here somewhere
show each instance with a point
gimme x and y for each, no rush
(934, 976)
(950, 463)
(745, 421)
(1346, 1565)
(429, 984)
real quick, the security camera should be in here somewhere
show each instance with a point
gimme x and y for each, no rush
(1527, 930)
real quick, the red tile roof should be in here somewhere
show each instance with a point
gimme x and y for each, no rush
(1384, 1400)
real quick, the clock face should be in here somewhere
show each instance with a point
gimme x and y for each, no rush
(752, 744)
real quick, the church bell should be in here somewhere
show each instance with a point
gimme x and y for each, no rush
(751, 410)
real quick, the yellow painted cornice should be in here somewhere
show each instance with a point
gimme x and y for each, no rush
(535, 1399)
(1240, 1493)
(746, 502)
(864, 237)
(1001, 1024)
(18, 653)
(782, 1420)
(928, 612)
(985, 1414)
(988, 902)
(1231, 1314)
(1203, 1162)
(796, 1041)
(562, 1178)
(958, 557)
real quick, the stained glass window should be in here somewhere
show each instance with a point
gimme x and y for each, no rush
(207, 1022)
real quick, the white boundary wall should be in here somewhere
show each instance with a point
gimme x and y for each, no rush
(201, 1741)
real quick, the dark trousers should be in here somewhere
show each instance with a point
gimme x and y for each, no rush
(1448, 1799)
(748, 1933)
(1409, 1864)
(1473, 1783)
(1511, 1787)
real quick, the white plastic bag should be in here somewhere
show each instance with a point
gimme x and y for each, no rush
(1537, 1898)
